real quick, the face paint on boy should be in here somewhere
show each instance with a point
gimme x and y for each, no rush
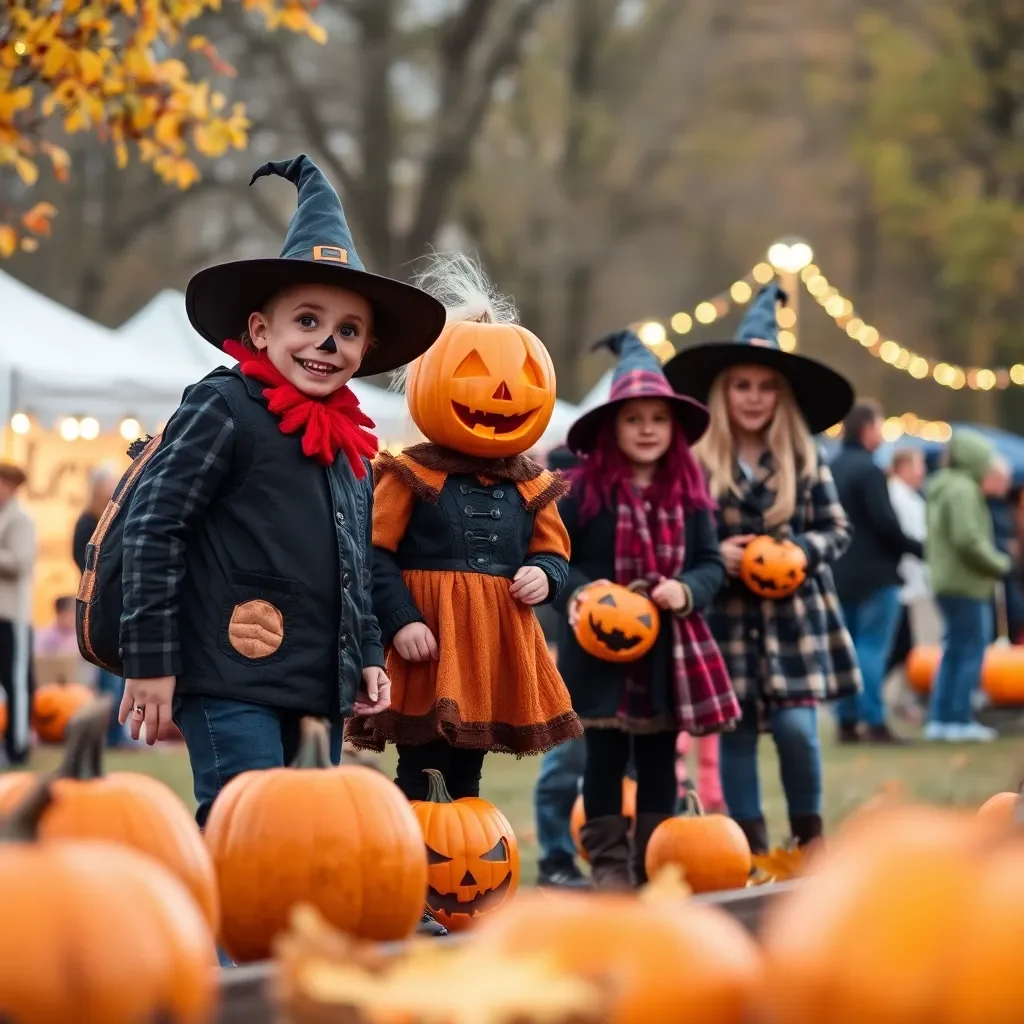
(291, 331)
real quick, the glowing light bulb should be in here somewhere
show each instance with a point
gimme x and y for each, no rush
(683, 322)
(787, 341)
(130, 429)
(69, 428)
(763, 273)
(786, 317)
(20, 423)
(89, 428)
(741, 292)
(706, 313)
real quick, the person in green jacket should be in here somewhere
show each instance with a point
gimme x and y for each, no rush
(964, 566)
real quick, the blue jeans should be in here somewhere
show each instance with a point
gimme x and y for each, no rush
(107, 682)
(873, 624)
(227, 737)
(557, 788)
(968, 632)
(795, 731)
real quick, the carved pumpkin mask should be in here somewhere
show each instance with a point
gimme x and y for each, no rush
(773, 568)
(472, 855)
(616, 623)
(483, 389)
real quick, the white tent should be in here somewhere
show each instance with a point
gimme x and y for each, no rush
(162, 329)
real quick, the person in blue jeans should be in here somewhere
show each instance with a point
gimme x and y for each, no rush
(965, 565)
(867, 576)
(558, 785)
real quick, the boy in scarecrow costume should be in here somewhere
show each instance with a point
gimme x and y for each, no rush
(247, 554)
(764, 469)
(467, 541)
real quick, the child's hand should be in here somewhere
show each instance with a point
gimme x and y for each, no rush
(147, 701)
(530, 585)
(415, 642)
(732, 552)
(670, 595)
(573, 611)
(374, 695)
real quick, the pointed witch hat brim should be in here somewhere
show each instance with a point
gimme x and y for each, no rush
(823, 396)
(318, 250)
(638, 375)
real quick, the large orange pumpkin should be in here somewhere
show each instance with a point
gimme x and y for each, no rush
(876, 930)
(483, 389)
(124, 807)
(96, 932)
(661, 962)
(1002, 808)
(710, 849)
(578, 818)
(344, 840)
(1002, 672)
(472, 855)
(54, 705)
(773, 567)
(616, 623)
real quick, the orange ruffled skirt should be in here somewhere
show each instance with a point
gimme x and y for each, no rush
(494, 686)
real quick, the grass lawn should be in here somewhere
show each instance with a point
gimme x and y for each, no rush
(938, 773)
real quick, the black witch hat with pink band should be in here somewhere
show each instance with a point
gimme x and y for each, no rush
(638, 375)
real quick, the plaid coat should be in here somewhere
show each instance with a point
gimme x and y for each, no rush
(798, 648)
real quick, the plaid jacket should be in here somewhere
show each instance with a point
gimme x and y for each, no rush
(797, 648)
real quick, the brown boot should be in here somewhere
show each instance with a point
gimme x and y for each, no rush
(756, 832)
(606, 841)
(645, 826)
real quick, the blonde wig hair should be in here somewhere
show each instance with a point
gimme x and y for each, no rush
(787, 438)
(466, 293)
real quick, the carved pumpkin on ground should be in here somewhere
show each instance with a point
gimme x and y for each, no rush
(95, 932)
(1002, 672)
(911, 914)
(54, 705)
(483, 389)
(773, 567)
(124, 807)
(472, 855)
(342, 839)
(578, 818)
(665, 960)
(710, 849)
(616, 623)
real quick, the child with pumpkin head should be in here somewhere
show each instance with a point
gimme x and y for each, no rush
(246, 544)
(467, 541)
(639, 511)
(788, 654)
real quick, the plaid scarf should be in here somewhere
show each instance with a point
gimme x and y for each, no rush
(705, 700)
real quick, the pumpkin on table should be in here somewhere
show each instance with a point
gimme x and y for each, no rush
(130, 808)
(664, 960)
(96, 933)
(710, 849)
(773, 567)
(483, 389)
(344, 840)
(578, 817)
(54, 705)
(616, 623)
(472, 855)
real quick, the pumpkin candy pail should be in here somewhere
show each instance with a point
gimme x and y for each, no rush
(616, 623)
(773, 567)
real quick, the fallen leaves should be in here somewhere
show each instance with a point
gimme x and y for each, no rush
(781, 865)
(94, 67)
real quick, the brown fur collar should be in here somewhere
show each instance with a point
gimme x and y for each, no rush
(423, 468)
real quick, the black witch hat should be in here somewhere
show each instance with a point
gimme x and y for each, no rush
(823, 396)
(318, 250)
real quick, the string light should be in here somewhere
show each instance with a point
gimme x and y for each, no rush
(907, 425)
(20, 423)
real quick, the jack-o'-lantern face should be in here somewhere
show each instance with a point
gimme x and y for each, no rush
(773, 568)
(472, 856)
(615, 623)
(483, 389)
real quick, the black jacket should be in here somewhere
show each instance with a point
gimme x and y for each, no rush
(595, 685)
(871, 561)
(84, 529)
(247, 564)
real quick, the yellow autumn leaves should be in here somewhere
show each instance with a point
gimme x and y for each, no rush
(100, 66)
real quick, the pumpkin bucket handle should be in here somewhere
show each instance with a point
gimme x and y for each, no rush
(639, 586)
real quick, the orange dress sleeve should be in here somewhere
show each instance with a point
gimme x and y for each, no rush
(392, 508)
(549, 534)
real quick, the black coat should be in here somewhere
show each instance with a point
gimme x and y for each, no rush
(871, 562)
(596, 686)
(84, 528)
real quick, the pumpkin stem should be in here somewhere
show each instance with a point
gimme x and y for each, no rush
(314, 746)
(22, 824)
(84, 739)
(693, 804)
(437, 793)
